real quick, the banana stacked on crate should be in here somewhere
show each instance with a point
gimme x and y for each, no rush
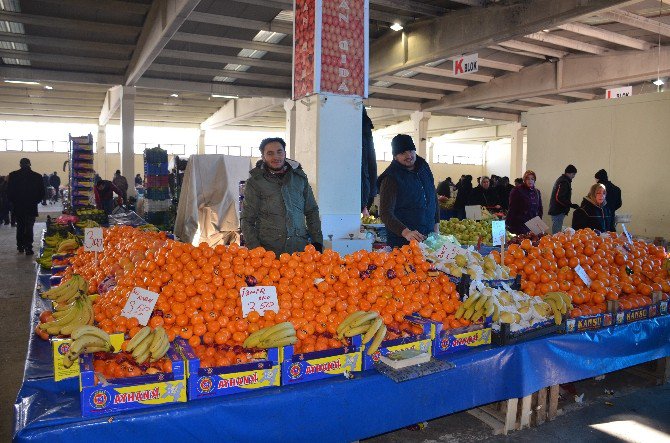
(367, 323)
(72, 307)
(149, 345)
(87, 340)
(281, 334)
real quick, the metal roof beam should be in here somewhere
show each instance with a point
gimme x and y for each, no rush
(568, 43)
(411, 6)
(224, 59)
(64, 59)
(538, 49)
(242, 23)
(45, 75)
(103, 5)
(608, 36)
(392, 104)
(162, 22)
(637, 21)
(209, 72)
(404, 93)
(449, 73)
(411, 81)
(67, 23)
(237, 110)
(64, 43)
(211, 88)
(110, 105)
(231, 43)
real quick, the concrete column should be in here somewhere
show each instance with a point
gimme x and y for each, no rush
(328, 145)
(289, 137)
(128, 135)
(100, 160)
(517, 157)
(420, 133)
(201, 142)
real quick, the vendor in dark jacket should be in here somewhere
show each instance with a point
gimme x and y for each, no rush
(525, 203)
(593, 213)
(504, 188)
(484, 195)
(408, 202)
(25, 189)
(613, 198)
(560, 202)
(463, 196)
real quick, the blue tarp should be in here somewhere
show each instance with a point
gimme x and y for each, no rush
(339, 409)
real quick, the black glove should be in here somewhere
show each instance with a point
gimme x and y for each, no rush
(318, 246)
(574, 206)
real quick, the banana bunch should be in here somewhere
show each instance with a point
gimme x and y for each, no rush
(53, 240)
(69, 245)
(149, 345)
(44, 261)
(560, 303)
(282, 334)
(370, 324)
(87, 340)
(66, 292)
(478, 305)
(87, 224)
(149, 227)
(69, 315)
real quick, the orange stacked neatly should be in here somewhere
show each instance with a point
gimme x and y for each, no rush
(550, 267)
(199, 291)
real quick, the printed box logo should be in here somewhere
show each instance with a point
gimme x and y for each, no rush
(99, 399)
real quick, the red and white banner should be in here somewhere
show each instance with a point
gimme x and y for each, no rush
(330, 47)
(466, 64)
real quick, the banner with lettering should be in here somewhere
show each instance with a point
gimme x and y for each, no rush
(330, 48)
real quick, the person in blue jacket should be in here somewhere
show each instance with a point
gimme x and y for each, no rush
(408, 202)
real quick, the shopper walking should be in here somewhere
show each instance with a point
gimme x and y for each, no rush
(463, 196)
(484, 195)
(54, 182)
(4, 202)
(408, 202)
(368, 166)
(561, 194)
(122, 183)
(104, 195)
(25, 189)
(613, 198)
(280, 212)
(525, 203)
(593, 213)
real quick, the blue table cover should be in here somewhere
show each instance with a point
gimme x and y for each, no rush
(337, 409)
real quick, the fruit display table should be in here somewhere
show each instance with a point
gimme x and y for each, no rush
(338, 409)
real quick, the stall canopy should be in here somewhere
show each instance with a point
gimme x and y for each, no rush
(209, 199)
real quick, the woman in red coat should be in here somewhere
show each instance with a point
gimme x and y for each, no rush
(525, 203)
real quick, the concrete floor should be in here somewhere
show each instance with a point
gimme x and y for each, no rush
(637, 400)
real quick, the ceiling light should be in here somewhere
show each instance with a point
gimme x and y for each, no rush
(174, 95)
(476, 119)
(22, 82)
(396, 26)
(48, 87)
(659, 82)
(224, 96)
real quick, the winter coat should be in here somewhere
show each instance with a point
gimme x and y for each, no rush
(54, 181)
(560, 196)
(463, 195)
(106, 193)
(25, 189)
(121, 183)
(524, 204)
(280, 212)
(590, 215)
(483, 197)
(415, 200)
(368, 164)
(613, 197)
(443, 188)
(503, 195)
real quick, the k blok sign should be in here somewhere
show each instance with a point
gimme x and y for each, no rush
(466, 64)
(625, 91)
(330, 47)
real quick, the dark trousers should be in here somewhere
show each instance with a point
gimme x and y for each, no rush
(24, 232)
(4, 212)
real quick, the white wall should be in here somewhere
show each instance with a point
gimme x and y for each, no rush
(497, 158)
(629, 137)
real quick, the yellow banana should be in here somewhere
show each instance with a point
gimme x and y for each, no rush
(471, 300)
(377, 340)
(372, 330)
(349, 319)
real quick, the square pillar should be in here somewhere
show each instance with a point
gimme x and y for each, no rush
(100, 159)
(289, 136)
(128, 135)
(517, 157)
(201, 142)
(420, 134)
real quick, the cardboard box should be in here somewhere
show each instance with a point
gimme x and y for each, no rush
(636, 314)
(225, 380)
(61, 346)
(458, 339)
(309, 366)
(421, 342)
(126, 394)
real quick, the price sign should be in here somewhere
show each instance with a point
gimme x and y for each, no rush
(498, 232)
(259, 299)
(583, 275)
(473, 212)
(448, 251)
(93, 239)
(537, 226)
(625, 231)
(140, 305)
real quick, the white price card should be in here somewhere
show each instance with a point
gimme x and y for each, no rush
(259, 299)
(625, 231)
(473, 212)
(140, 305)
(93, 239)
(448, 251)
(537, 226)
(583, 275)
(498, 232)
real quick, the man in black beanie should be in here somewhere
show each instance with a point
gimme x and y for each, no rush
(613, 197)
(408, 203)
(561, 195)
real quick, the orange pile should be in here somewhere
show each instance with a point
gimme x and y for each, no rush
(550, 267)
(199, 290)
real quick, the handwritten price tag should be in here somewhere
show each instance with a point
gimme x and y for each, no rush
(537, 226)
(259, 299)
(498, 232)
(583, 275)
(625, 231)
(140, 305)
(448, 251)
(93, 239)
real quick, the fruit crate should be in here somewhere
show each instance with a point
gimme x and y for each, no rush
(226, 380)
(636, 314)
(452, 340)
(503, 336)
(317, 365)
(421, 342)
(156, 168)
(587, 323)
(124, 394)
(156, 181)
